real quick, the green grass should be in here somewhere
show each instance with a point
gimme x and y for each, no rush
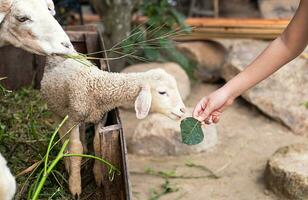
(166, 188)
(305, 105)
(25, 130)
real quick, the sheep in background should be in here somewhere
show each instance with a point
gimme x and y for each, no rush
(30, 25)
(7, 181)
(85, 94)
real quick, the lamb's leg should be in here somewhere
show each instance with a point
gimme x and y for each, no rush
(97, 150)
(75, 147)
(82, 129)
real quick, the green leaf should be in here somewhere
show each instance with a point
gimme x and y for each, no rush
(191, 131)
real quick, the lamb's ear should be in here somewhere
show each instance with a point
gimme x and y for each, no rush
(51, 7)
(5, 6)
(143, 102)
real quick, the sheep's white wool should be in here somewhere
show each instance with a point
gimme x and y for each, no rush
(86, 93)
(7, 181)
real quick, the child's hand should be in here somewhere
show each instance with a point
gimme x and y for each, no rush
(210, 107)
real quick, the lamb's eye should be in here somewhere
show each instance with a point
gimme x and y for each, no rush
(23, 19)
(162, 93)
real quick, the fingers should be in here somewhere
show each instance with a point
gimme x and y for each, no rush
(208, 120)
(199, 109)
(205, 115)
(216, 116)
(213, 118)
(209, 109)
(216, 119)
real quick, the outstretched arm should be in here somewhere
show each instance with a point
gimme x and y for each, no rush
(282, 50)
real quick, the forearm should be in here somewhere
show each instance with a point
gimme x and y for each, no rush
(270, 60)
(281, 51)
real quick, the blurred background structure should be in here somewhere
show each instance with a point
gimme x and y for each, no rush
(118, 18)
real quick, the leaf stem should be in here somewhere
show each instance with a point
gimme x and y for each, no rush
(96, 158)
(50, 143)
(49, 169)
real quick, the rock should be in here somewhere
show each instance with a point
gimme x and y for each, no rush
(281, 96)
(274, 9)
(286, 172)
(159, 136)
(209, 56)
(174, 69)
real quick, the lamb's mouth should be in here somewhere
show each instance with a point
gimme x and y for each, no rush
(176, 115)
(60, 54)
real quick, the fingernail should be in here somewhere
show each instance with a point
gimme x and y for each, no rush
(211, 119)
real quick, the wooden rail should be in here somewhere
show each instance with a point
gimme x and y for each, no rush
(207, 28)
(231, 22)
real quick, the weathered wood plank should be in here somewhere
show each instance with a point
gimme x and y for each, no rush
(111, 151)
(17, 66)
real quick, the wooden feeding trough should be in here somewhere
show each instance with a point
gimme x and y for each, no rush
(23, 69)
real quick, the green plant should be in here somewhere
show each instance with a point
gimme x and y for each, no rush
(164, 174)
(26, 127)
(166, 188)
(49, 166)
(152, 41)
(305, 104)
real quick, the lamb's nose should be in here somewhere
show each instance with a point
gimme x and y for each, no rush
(66, 44)
(183, 110)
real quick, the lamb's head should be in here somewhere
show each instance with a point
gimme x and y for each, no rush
(159, 94)
(29, 24)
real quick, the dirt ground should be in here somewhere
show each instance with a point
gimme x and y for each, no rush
(247, 139)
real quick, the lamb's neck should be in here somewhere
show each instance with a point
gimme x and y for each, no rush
(119, 88)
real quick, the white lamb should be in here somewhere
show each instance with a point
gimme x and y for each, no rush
(85, 94)
(7, 181)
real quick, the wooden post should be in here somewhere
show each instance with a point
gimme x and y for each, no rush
(113, 149)
(216, 8)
